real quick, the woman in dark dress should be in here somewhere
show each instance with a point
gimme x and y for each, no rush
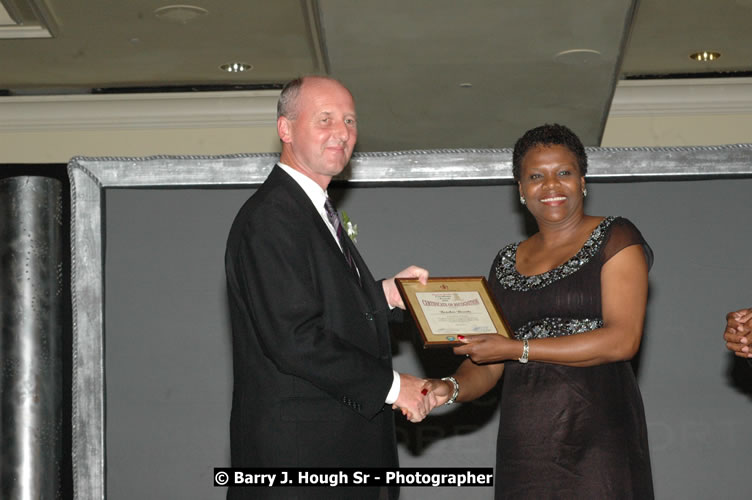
(572, 421)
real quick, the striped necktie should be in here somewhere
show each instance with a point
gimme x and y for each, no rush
(331, 214)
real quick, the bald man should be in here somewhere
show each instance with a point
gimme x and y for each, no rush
(313, 378)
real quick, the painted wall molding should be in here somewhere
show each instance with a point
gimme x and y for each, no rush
(258, 107)
(682, 97)
(139, 111)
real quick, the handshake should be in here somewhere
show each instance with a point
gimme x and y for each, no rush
(417, 396)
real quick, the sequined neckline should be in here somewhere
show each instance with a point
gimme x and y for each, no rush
(510, 278)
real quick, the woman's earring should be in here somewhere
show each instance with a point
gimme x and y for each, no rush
(522, 200)
(584, 193)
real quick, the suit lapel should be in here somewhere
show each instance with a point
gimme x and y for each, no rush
(370, 291)
(279, 176)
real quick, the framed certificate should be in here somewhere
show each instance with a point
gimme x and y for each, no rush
(444, 308)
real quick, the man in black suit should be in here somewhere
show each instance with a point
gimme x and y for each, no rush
(313, 378)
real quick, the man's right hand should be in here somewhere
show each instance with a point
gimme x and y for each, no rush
(412, 399)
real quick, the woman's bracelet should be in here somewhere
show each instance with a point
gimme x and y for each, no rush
(456, 391)
(525, 352)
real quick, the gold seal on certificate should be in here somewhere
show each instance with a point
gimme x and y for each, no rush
(445, 308)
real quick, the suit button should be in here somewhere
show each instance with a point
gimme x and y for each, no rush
(369, 316)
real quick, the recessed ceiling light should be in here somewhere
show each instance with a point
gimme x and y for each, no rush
(236, 67)
(578, 56)
(466, 85)
(179, 14)
(705, 56)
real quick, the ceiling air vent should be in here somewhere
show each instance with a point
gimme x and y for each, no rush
(25, 19)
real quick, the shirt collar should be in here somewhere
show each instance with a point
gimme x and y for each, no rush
(312, 189)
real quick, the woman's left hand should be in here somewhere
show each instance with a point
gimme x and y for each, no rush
(488, 348)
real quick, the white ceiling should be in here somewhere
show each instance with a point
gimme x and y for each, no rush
(425, 73)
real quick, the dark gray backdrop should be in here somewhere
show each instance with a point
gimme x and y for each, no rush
(168, 360)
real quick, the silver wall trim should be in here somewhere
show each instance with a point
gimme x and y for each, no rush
(31, 323)
(90, 177)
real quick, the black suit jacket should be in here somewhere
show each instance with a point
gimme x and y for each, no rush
(311, 352)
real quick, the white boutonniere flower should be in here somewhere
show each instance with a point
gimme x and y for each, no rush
(352, 229)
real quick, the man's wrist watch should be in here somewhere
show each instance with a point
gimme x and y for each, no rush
(456, 391)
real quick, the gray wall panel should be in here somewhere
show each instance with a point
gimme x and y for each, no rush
(167, 349)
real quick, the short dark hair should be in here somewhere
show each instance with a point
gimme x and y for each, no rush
(286, 105)
(548, 135)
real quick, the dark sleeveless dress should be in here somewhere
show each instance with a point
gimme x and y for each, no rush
(568, 432)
